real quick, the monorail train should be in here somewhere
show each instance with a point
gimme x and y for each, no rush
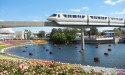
(77, 19)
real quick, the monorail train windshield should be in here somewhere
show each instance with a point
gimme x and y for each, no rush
(53, 15)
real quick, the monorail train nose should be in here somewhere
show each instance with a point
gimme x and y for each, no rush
(49, 18)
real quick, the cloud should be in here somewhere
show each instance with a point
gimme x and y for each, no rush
(101, 15)
(80, 9)
(110, 2)
(36, 20)
(119, 12)
(85, 8)
(2, 20)
(75, 10)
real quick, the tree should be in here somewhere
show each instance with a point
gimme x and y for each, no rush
(117, 32)
(70, 34)
(58, 38)
(93, 31)
(27, 34)
(41, 34)
(60, 30)
(54, 30)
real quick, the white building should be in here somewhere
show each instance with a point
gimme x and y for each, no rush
(6, 34)
(19, 34)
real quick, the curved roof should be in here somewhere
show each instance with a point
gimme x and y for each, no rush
(6, 31)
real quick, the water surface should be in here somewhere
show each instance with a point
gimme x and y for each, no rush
(71, 54)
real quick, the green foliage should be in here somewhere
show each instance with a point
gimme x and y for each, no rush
(70, 34)
(58, 38)
(93, 31)
(28, 34)
(60, 30)
(117, 32)
(41, 34)
(63, 35)
(54, 30)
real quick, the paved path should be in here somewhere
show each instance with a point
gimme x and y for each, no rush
(107, 71)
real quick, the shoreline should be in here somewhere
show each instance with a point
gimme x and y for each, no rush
(19, 45)
(85, 67)
(19, 57)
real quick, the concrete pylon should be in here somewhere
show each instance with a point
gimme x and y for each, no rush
(82, 39)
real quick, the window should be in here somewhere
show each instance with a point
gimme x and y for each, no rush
(91, 17)
(121, 19)
(53, 15)
(102, 18)
(70, 16)
(83, 16)
(79, 16)
(65, 15)
(98, 17)
(59, 15)
(74, 16)
(95, 17)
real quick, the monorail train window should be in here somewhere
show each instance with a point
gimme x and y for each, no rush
(59, 15)
(74, 16)
(53, 15)
(121, 19)
(78, 16)
(102, 18)
(83, 16)
(95, 17)
(70, 16)
(91, 17)
(112, 18)
(105, 17)
(98, 17)
(65, 15)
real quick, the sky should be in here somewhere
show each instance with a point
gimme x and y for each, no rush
(39, 10)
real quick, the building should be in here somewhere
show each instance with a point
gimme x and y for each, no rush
(19, 35)
(7, 34)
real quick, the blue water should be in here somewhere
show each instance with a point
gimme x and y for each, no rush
(70, 54)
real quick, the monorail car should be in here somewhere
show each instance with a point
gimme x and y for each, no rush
(78, 19)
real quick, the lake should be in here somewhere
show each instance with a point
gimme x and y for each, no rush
(71, 54)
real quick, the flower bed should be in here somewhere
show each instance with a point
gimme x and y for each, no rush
(39, 41)
(3, 45)
(23, 67)
(23, 41)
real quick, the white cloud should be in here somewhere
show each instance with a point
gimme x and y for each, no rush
(2, 20)
(80, 9)
(101, 15)
(75, 10)
(36, 20)
(119, 12)
(110, 2)
(85, 8)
